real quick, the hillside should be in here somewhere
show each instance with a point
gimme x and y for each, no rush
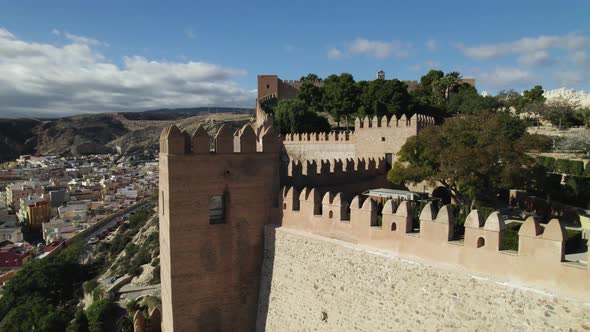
(127, 133)
(17, 137)
(146, 134)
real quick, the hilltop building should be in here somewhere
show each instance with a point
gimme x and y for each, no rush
(263, 232)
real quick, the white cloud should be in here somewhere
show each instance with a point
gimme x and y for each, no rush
(506, 77)
(431, 45)
(82, 40)
(334, 54)
(535, 58)
(581, 58)
(55, 32)
(44, 79)
(378, 49)
(527, 45)
(569, 78)
(425, 66)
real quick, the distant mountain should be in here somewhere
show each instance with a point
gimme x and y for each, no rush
(17, 137)
(177, 113)
(126, 132)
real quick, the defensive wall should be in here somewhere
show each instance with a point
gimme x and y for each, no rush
(344, 175)
(372, 138)
(314, 283)
(538, 261)
(210, 270)
(330, 266)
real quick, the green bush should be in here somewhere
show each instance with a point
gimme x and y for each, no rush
(100, 315)
(571, 167)
(547, 162)
(89, 286)
(80, 323)
(576, 167)
(511, 236)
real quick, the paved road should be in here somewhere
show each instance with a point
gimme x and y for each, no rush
(114, 221)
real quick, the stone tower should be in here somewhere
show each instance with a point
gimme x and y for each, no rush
(215, 196)
(380, 75)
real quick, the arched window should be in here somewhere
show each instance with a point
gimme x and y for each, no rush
(393, 227)
(481, 242)
(331, 215)
(284, 206)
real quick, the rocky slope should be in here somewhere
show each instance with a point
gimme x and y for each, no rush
(131, 134)
(78, 135)
(17, 137)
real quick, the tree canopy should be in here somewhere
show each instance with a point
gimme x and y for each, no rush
(473, 156)
(294, 116)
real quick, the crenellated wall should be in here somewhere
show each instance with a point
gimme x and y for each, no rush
(372, 138)
(539, 260)
(346, 175)
(315, 283)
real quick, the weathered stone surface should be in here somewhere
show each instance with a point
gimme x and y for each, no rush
(310, 283)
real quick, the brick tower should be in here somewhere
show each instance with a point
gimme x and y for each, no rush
(215, 196)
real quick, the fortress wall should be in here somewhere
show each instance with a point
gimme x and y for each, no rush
(374, 137)
(337, 175)
(539, 261)
(320, 150)
(313, 283)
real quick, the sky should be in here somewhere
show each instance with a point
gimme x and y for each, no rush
(69, 57)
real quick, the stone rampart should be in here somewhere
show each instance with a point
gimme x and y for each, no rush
(314, 283)
(372, 138)
(347, 175)
(539, 260)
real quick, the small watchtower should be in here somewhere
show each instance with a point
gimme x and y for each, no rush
(380, 74)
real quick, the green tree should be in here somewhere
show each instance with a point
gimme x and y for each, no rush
(384, 97)
(473, 156)
(466, 100)
(424, 93)
(509, 99)
(99, 315)
(340, 96)
(311, 77)
(34, 314)
(563, 111)
(293, 116)
(124, 324)
(311, 95)
(534, 94)
(80, 323)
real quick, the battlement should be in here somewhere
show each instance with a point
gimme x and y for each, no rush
(246, 140)
(539, 259)
(332, 137)
(267, 97)
(326, 168)
(415, 121)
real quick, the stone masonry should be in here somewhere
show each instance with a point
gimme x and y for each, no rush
(313, 283)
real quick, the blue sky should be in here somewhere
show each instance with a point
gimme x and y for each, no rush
(63, 57)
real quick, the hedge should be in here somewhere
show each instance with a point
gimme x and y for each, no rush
(571, 167)
(547, 162)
